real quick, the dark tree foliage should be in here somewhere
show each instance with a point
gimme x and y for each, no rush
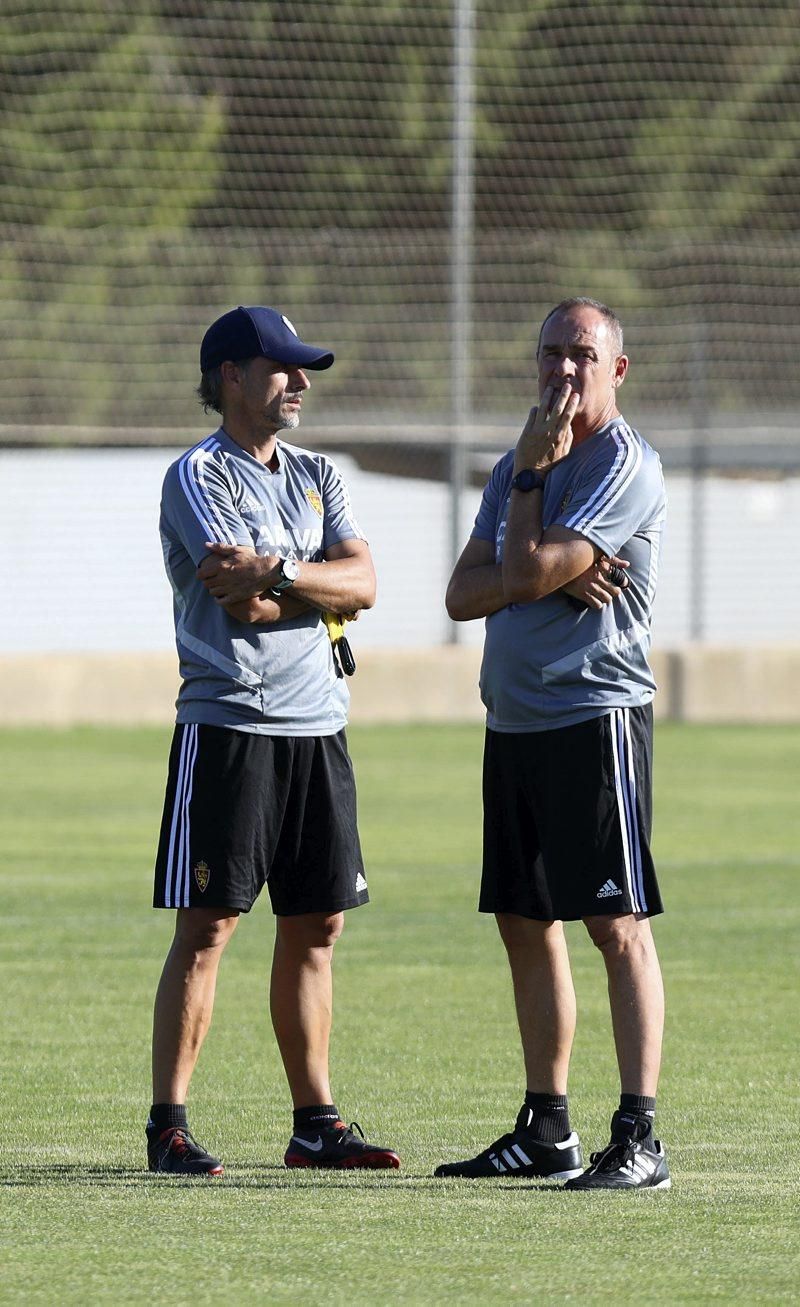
(628, 116)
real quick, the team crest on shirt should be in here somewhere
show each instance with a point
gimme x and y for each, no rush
(202, 874)
(566, 500)
(314, 500)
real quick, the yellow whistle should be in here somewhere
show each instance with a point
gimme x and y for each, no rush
(335, 625)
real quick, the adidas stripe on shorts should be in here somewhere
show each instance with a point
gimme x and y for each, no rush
(567, 820)
(243, 810)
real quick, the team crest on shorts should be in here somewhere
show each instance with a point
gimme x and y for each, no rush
(314, 500)
(566, 500)
(202, 874)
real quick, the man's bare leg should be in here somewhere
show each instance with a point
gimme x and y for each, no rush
(544, 996)
(301, 1001)
(636, 995)
(542, 1143)
(635, 1159)
(185, 998)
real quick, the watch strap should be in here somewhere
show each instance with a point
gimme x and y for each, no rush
(527, 480)
(285, 582)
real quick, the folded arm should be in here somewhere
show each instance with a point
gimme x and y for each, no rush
(241, 580)
(272, 609)
(537, 562)
(476, 586)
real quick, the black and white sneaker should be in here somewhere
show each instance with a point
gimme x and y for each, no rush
(177, 1152)
(519, 1156)
(338, 1147)
(632, 1164)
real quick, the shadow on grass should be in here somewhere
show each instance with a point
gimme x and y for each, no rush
(268, 1177)
(264, 1176)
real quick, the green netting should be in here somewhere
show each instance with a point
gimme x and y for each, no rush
(162, 162)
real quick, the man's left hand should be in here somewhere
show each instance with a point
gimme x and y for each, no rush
(595, 587)
(232, 573)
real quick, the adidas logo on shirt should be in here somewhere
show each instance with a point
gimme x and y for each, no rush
(609, 890)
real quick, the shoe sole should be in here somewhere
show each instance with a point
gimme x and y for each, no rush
(557, 1176)
(212, 1173)
(369, 1161)
(617, 1188)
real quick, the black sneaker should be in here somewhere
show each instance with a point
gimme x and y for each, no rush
(336, 1146)
(177, 1152)
(631, 1164)
(519, 1156)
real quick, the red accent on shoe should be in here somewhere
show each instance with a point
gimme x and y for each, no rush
(374, 1161)
(180, 1146)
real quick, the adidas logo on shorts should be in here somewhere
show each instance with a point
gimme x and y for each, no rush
(609, 890)
(361, 884)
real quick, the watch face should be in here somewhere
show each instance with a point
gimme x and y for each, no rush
(290, 569)
(527, 480)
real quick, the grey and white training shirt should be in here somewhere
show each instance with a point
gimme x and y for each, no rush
(272, 679)
(554, 662)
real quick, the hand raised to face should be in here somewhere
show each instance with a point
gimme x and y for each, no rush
(547, 435)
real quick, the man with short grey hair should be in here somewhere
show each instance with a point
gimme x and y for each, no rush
(259, 541)
(562, 563)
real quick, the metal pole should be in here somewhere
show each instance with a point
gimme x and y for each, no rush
(698, 367)
(461, 260)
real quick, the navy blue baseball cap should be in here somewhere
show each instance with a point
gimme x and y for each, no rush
(258, 332)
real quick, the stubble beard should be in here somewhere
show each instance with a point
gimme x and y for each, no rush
(282, 418)
(288, 421)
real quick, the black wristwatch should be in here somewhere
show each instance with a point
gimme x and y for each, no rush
(528, 480)
(289, 572)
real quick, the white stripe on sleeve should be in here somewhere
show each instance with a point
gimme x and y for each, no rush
(340, 501)
(192, 478)
(623, 469)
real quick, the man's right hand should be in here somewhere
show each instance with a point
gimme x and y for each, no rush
(547, 435)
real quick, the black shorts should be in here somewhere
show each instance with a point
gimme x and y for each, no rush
(244, 809)
(567, 820)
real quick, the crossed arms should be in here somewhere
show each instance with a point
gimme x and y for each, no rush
(479, 586)
(536, 562)
(240, 581)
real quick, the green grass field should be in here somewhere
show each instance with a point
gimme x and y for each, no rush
(425, 1051)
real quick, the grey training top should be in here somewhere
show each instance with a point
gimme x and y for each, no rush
(272, 679)
(555, 662)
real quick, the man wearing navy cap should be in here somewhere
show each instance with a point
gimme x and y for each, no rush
(259, 539)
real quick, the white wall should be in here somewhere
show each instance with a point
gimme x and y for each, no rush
(82, 567)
